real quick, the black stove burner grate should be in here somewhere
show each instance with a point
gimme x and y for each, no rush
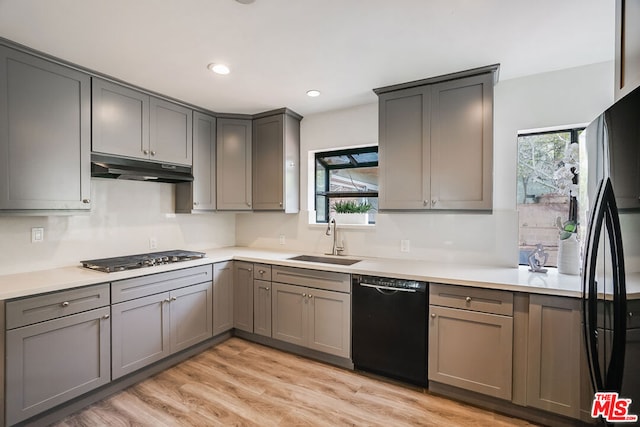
(130, 262)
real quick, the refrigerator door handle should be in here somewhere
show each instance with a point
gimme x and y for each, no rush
(605, 212)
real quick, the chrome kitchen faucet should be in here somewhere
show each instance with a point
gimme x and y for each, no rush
(335, 250)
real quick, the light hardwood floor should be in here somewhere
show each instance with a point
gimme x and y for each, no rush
(239, 383)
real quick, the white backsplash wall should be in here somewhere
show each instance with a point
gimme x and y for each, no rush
(125, 214)
(564, 97)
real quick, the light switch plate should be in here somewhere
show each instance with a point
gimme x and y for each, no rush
(37, 235)
(405, 245)
(153, 243)
(282, 239)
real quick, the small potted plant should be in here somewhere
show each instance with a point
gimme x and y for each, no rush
(351, 212)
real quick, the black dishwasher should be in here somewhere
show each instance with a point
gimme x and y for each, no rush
(389, 327)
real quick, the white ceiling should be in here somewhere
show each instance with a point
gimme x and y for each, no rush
(279, 49)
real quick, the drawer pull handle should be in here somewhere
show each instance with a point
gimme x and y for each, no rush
(261, 271)
(65, 304)
(468, 299)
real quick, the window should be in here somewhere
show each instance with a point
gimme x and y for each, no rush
(346, 175)
(540, 201)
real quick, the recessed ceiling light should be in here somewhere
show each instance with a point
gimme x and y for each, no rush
(313, 93)
(219, 68)
(245, 1)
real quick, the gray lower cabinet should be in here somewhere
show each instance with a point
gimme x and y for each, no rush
(222, 297)
(471, 339)
(276, 161)
(243, 296)
(312, 318)
(262, 299)
(45, 143)
(166, 313)
(424, 127)
(233, 164)
(554, 354)
(200, 195)
(60, 357)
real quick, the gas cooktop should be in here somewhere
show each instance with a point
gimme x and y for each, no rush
(130, 262)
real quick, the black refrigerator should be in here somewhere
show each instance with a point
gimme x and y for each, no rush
(610, 195)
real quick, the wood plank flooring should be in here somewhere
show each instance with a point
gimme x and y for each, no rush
(239, 383)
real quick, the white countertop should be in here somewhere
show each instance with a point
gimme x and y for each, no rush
(512, 279)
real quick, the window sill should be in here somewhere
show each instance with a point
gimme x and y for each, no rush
(316, 225)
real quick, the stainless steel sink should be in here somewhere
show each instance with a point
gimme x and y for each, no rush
(324, 259)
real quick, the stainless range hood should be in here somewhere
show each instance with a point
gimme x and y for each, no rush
(105, 166)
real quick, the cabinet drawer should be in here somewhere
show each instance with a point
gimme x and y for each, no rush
(328, 280)
(37, 309)
(139, 287)
(262, 272)
(483, 300)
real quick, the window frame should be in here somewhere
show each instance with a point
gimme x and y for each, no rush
(353, 164)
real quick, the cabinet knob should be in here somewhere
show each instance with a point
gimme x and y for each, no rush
(468, 299)
(86, 201)
(65, 304)
(106, 316)
(630, 314)
(304, 295)
(166, 300)
(146, 152)
(174, 298)
(425, 202)
(261, 271)
(433, 202)
(153, 153)
(249, 204)
(310, 296)
(267, 288)
(195, 203)
(433, 315)
(280, 204)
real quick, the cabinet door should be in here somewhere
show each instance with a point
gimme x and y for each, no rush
(553, 374)
(233, 164)
(627, 61)
(140, 333)
(462, 143)
(120, 120)
(222, 297)
(45, 138)
(170, 132)
(268, 163)
(404, 148)
(243, 296)
(191, 315)
(204, 162)
(52, 362)
(471, 350)
(289, 308)
(330, 322)
(262, 307)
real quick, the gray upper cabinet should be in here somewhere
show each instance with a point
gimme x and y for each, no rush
(120, 120)
(462, 143)
(45, 134)
(170, 132)
(130, 123)
(627, 56)
(276, 161)
(436, 142)
(404, 149)
(200, 195)
(233, 165)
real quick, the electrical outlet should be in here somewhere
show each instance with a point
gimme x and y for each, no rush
(153, 243)
(405, 245)
(37, 235)
(282, 239)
